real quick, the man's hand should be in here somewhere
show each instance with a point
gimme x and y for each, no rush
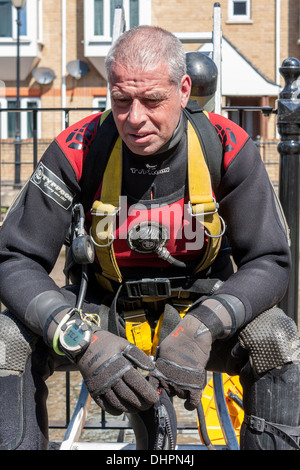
(108, 369)
(182, 357)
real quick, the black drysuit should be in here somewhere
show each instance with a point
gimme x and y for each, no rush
(38, 222)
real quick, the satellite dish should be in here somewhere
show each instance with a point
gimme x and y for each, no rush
(77, 68)
(43, 75)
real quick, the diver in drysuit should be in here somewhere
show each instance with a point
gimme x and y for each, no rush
(167, 244)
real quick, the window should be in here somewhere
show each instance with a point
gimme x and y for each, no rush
(239, 10)
(11, 119)
(29, 118)
(104, 15)
(250, 121)
(99, 103)
(8, 20)
(98, 17)
(8, 119)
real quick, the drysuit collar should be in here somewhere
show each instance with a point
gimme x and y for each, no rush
(175, 139)
(171, 144)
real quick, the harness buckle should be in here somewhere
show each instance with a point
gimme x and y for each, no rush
(204, 213)
(157, 287)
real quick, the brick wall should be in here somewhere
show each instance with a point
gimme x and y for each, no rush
(254, 39)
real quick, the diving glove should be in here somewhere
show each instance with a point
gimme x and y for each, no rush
(184, 353)
(108, 363)
(108, 367)
(182, 357)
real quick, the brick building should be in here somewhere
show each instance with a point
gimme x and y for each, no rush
(64, 43)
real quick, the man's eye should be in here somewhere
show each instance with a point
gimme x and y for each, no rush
(121, 101)
(152, 101)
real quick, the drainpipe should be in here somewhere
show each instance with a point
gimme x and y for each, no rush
(63, 60)
(277, 42)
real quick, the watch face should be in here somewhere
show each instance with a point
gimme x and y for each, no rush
(75, 336)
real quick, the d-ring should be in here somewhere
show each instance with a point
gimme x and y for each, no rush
(101, 246)
(221, 234)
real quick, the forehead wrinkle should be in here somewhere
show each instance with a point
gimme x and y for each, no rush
(123, 76)
(153, 95)
(150, 91)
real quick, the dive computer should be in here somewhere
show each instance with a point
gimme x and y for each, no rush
(74, 337)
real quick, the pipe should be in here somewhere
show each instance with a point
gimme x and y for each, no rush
(63, 59)
(217, 54)
(277, 41)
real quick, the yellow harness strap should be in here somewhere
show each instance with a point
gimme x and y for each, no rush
(104, 213)
(203, 207)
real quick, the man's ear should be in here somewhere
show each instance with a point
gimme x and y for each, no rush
(185, 89)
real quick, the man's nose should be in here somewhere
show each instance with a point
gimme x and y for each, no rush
(136, 114)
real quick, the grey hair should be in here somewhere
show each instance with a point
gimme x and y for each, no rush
(145, 47)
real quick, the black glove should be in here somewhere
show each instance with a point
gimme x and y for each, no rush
(183, 354)
(107, 365)
(108, 369)
(182, 357)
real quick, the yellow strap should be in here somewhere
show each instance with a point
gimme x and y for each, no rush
(140, 335)
(198, 175)
(112, 178)
(212, 225)
(204, 206)
(104, 213)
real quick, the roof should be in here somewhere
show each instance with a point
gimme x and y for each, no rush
(239, 77)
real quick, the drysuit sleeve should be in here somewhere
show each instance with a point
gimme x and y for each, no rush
(37, 224)
(33, 233)
(256, 228)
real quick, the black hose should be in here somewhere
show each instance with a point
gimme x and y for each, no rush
(203, 429)
(164, 254)
(83, 287)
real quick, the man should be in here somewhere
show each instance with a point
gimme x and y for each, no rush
(147, 263)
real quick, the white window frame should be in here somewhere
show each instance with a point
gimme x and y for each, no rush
(3, 119)
(34, 10)
(144, 18)
(23, 120)
(96, 101)
(237, 18)
(13, 37)
(24, 102)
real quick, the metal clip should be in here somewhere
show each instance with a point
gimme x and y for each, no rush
(190, 209)
(105, 214)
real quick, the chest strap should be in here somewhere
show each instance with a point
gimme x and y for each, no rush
(202, 205)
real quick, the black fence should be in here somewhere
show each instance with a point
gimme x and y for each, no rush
(18, 158)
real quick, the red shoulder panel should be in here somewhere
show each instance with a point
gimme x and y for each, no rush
(75, 141)
(232, 136)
